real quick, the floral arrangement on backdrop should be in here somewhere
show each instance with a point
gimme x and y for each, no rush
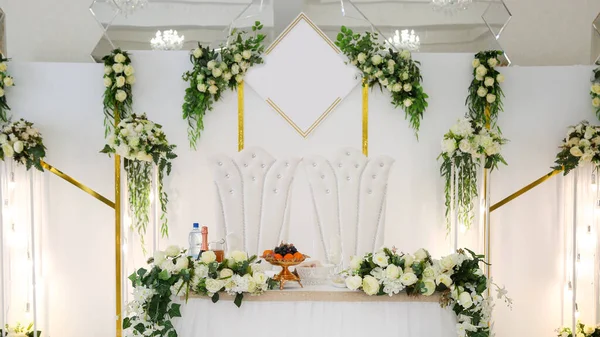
(457, 277)
(595, 91)
(582, 145)
(387, 68)
(464, 147)
(485, 90)
(583, 330)
(22, 142)
(143, 143)
(118, 80)
(214, 71)
(19, 330)
(5, 81)
(172, 273)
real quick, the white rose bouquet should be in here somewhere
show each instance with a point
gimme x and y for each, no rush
(19, 330)
(583, 330)
(118, 79)
(142, 143)
(464, 147)
(214, 71)
(388, 68)
(485, 91)
(582, 145)
(457, 277)
(595, 91)
(22, 142)
(5, 81)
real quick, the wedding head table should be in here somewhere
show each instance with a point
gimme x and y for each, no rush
(318, 310)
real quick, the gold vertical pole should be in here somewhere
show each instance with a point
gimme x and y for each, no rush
(118, 277)
(365, 117)
(487, 244)
(240, 91)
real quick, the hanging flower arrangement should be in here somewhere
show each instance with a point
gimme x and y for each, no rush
(143, 143)
(214, 71)
(463, 149)
(23, 143)
(581, 146)
(485, 90)
(118, 80)
(5, 81)
(595, 91)
(387, 68)
(583, 330)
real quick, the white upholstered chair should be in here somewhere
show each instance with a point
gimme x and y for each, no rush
(349, 198)
(253, 192)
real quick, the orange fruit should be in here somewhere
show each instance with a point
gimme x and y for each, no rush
(267, 252)
(278, 257)
(298, 256)
(288, 257)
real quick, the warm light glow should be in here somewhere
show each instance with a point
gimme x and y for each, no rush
(151, 196)
(463, 228)
(405, 39)
(167, 40)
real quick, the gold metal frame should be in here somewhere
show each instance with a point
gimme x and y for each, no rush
(365, 118)
(524, 190)
(303, 133)
(301, 17)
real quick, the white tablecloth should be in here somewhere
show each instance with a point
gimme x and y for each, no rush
(272, 317)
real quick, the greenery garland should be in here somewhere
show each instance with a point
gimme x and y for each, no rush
(583, 330)
(485, 90)
(214, 71)
(118, 80)
(172, 274)
(581, 146)
(457, 277)
(142, 142)
(5, 81)
(595, 91)
(463, 148)
(23, 143)
(386, 67)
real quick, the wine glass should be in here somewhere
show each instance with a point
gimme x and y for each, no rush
(334, 255)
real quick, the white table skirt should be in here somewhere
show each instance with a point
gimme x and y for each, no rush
(308, 318)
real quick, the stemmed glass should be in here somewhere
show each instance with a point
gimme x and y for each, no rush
(335, 253)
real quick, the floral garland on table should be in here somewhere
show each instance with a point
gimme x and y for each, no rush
(583, 330)
(463, 148)
(5, 81)
(582, 145)
(457, 277)
(214, 71)
(142, 142)
(485, 88)
(595, 91)
(19, 331)
(172, 274)
(118, 80)
(23, 143)
(396, 71)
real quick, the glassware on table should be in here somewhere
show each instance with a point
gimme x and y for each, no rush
(334, 254)
(218, 247)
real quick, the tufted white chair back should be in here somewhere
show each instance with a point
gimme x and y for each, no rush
(253, 192)
(349, 198)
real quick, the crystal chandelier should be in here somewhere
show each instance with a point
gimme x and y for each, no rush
(167, 40)
(451, 5)
(405, 39)
(130, 6)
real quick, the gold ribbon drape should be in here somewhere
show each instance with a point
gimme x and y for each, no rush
(365, 118)
(240, 91)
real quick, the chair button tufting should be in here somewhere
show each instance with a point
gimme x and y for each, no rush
(254, 155)
(356, 165)
(227, 176)
(253, 178)
(263, 165)
(275, 191)
(327, 191)
(245, 165)
(279, 176)
(230, 191)
(220, 163)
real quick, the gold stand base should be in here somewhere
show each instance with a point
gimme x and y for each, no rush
(285, 275)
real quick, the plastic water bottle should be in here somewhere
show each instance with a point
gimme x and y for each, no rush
(195, 239)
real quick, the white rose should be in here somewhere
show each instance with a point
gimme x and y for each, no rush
(465, 146)
(361, 58)
(448, 145)
(465, 300)
(490, 98)
(260, 278)
(8, 81)
(429, 273)
(589, 132)
(489, 81)
(119, 58)
(238, 256)
(370, 285)
(405, 54)
(235, 69)
(408, 260)
(379, 73)
(385, 82)
(482, 91)
(225, 273)
(573, 141)
(355, 262)
(596, 102)
(118, 68)
(121, 96)
(408, 102)
(408, 279)
(143, 156)
(3, 66)
(380, 259)
(3, 138)
(107, 70)
(173, 250)
(18, 146)
(182, 263)
(397, 87)
(107, 81)
(239, 78)
(391, 63)
(492, 62)
(576, 151)
(353, 282)
(479, 78)
(596, 88)
(421, 254)
(376, 59)
(476, 63)
(217, 72)
(244, 66)
(120, 81)
(580, 334)
(584, 143)
(444, 279)
(481, 70)
(226, 76)
(500, 78)
(238, 58)
(159, 257)
(404, 76)
(211, 64)
(208, 256)
(130, 80)
(1, 92)
(407, 87)
(492, 149)
(8, 150)
(213, 89)
(128, 70)
(213, 286)
(587, 156)
(367, 70)
(392, 272)
(246, 54)
(589, 329)
(197, 53)
(448, 262)
(201, 87)
(429, 287)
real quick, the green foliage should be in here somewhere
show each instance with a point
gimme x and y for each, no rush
(23, 143)
(485, 61)
(595, 91)
(214, 71)
(386, 67)
(5, 81)
(582, 145)
(118, 80)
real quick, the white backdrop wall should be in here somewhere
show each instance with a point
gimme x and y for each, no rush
(64, 100)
